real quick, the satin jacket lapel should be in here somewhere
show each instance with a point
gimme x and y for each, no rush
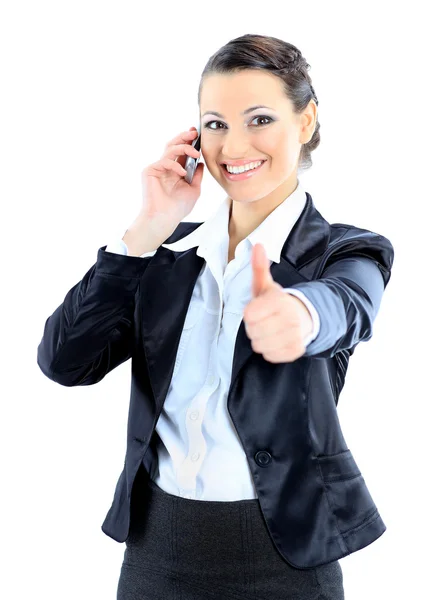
(307, 240)
(171, 277)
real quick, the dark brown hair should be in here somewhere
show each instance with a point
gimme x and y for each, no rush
(281, 59)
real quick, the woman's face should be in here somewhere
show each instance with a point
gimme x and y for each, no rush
(274, 134)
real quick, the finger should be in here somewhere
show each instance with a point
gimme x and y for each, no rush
(185, 136)
(261, 308)
(272, 343)
(180, 150)
(268, 325)
(261, 270)
(164, 165)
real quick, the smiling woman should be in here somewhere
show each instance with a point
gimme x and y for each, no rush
(267, 126)
(237, 481)
(258, 126)
(265, 54)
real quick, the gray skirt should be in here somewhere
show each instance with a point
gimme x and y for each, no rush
(182, 549)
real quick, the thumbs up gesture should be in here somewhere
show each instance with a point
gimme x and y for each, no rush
(276, 322)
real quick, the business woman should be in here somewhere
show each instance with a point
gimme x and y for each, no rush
(237, 483)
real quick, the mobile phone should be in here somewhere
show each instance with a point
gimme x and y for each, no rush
(192, 163)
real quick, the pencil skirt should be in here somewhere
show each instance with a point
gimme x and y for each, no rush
(185, 549)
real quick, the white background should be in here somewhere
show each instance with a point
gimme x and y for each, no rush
(90, 94)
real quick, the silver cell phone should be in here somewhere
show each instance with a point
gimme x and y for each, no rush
(192, 163)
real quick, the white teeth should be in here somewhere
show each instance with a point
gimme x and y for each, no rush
(243, 168)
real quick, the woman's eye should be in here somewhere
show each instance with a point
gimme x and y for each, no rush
(264, 117)
(254, 119)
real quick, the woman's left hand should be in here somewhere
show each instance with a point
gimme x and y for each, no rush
(275, 321)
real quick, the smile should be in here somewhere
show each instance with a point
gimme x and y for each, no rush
(243, 175)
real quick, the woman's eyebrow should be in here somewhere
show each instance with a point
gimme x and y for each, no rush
(245, 112)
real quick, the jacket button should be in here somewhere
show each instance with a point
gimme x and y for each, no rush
(263, 458)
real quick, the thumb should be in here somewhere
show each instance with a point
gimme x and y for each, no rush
(261, 277)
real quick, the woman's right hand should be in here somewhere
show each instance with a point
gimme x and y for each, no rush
(167, 197)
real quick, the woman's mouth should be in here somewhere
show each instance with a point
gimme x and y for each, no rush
(243, 175)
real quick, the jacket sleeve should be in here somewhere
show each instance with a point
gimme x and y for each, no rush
(347, 292)
(92, 331)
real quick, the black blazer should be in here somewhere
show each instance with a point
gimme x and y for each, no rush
(312, 494)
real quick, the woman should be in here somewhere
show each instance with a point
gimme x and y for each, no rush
(237, 482)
